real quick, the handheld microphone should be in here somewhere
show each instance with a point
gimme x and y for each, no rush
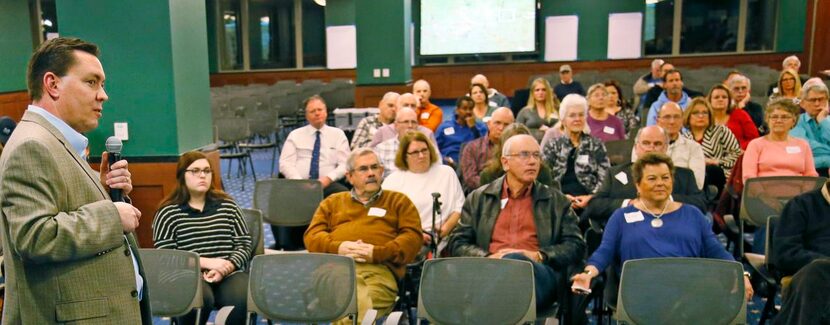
(114, 146)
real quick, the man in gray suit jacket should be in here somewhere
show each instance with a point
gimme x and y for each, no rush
(70, 253)
(618, 190)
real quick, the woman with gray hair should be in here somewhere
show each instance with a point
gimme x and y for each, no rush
(579, 161)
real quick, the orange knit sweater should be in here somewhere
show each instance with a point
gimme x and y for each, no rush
(396, 235)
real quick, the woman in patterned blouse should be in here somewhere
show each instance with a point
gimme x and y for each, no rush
(578, 161)
(720, 147)
(619, 107)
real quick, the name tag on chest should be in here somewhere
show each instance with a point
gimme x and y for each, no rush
(608, 130)
(377, 212)
(793, 150)
(582, 159)
(449, 131)
(632, 217)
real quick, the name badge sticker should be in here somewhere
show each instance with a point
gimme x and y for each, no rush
(622, 177)
(608, 130)
(424, 115)
(632, 217)
(377, 212)
(449, 131)
(582, 159)
(793, 150)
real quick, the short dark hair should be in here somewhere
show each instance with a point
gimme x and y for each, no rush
(464, 99)
(57, 56)
(650, 159)
(673, 71)
(313, 98)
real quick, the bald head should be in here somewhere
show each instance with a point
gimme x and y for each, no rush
(651, 139)
(480, 79)
(406, 120)
(422, 90)
(388, 107)
(500, 119)
(670, 118)
(407, 100)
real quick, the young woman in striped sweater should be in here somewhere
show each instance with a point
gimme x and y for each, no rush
(199, 218)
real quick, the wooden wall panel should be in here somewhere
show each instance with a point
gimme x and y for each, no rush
(449, 81)
(821, 45)
(14, 104)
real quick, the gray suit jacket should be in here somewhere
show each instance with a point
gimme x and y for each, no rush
(67, 260)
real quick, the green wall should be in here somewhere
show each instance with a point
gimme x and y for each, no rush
(161, 90)
(190, 74)
(383, 40)
(340, 12)
(15, 44)
(592, 41)
(790, 28)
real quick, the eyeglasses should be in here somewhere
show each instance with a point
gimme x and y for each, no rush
(199, 172)
(780, 117)
(525, 155)
(424, 151)
(575, 115)
(700, 114)
(816, 100)
(365, 169)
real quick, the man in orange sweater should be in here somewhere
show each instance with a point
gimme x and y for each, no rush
(380, 229)
(429, 114)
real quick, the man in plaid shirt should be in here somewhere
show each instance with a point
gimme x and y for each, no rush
(369, 125)
(477, 152)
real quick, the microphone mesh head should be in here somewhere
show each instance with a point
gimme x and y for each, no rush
(114, 144)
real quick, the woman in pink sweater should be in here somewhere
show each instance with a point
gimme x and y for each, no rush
(778, 153)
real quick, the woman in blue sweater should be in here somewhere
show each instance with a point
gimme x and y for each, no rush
(653, 225)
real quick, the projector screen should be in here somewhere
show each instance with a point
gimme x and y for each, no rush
(477, 26)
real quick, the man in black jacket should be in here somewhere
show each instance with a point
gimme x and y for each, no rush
(802, 249)
(617, 190)
(516, 217)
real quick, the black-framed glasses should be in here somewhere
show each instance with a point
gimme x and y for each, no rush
(424, 151)
(199, 172)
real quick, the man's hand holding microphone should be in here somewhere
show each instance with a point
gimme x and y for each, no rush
(116, 178)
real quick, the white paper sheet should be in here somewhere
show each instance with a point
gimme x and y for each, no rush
(561, 38)
(625, 35)
(341, 47)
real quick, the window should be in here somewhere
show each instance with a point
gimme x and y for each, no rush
(230, 34)
(659, 26)
(678, 27)
(263, 34)
(44, 20)
(760, 25)
(709, 26)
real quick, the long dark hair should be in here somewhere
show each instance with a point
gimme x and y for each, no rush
(181, 194)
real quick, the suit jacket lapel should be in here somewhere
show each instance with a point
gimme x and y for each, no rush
(40, 120)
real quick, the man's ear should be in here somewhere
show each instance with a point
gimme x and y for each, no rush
(51, 83)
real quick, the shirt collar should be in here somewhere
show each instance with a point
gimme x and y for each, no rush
(78, 141)
(505, 190)
(825, 193)
(371, 199)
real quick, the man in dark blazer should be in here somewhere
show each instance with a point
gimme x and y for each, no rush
(70, 253)
(617, 190)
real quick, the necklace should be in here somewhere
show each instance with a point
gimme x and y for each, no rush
(656, 222)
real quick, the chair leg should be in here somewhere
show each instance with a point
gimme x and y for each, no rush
(251, 162)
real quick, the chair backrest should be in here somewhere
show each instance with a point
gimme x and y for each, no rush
(452, 291)
(253, 219)
(619, 152)
(288, 202)
(233, 129)
(174, 280)
(681, 291)
(302, 287)
(766, 196)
